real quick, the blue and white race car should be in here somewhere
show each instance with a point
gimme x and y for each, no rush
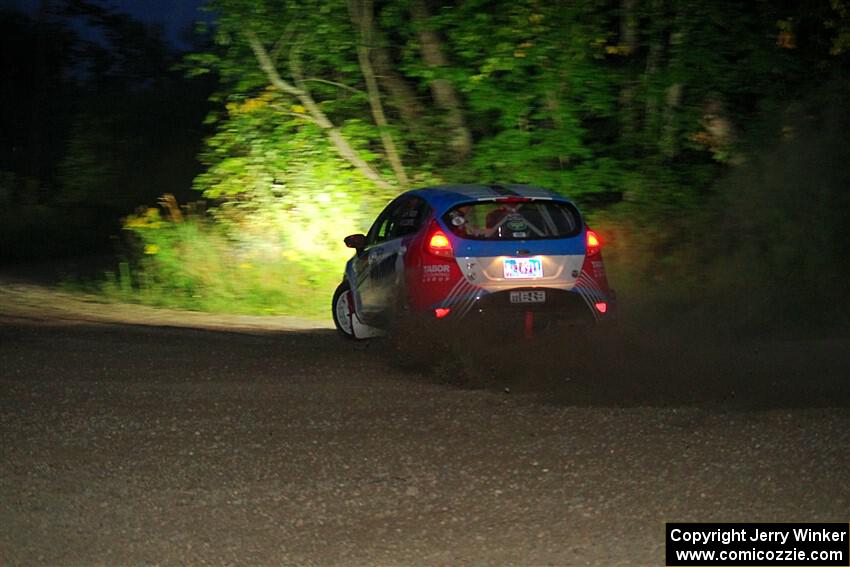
(446, 254)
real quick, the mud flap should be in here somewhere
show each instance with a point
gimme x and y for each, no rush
(361, 330)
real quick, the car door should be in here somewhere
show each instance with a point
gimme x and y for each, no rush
(384, 255)
(361, 264)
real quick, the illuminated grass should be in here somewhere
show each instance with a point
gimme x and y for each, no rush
(189, 261)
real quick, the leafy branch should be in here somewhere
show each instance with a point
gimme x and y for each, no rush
(340, 143)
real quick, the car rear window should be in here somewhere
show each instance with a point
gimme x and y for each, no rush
(513, 220)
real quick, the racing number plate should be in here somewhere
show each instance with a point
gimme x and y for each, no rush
(528, 297)
(523, 268)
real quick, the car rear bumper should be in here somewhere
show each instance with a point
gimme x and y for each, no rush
(577, 305)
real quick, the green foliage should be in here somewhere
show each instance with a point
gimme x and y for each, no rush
(532, 81)
(642, 112)
(189, 261)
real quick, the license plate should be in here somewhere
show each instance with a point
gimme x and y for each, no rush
(528, 297)
(523, 268)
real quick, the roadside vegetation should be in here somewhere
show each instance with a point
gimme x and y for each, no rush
(706, 142)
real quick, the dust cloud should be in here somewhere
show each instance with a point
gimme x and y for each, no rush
(753, 311)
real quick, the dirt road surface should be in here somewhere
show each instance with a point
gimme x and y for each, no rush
(178, 439)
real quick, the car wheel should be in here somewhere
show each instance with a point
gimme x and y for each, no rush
(342, 311)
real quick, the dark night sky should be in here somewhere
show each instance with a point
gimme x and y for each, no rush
(173, 15)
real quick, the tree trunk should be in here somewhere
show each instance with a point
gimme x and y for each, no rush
(653, 60)
(444, 93)
(300, 92)
(628, 26)
(362, 17)
(402, 96)
(669, 138)
(670, 130)
(629, 44)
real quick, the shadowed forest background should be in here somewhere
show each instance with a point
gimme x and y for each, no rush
(707, 142)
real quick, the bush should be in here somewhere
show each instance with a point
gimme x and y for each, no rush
(185, 258)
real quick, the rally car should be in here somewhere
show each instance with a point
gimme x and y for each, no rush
(515, 254)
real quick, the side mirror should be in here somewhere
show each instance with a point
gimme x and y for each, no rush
(356, 241)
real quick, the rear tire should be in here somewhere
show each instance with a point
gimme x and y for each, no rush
(342, 310)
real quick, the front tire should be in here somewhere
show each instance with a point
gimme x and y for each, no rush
(342, 309)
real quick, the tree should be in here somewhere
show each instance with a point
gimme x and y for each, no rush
(443, 91)
(363, 19)
(328, 109)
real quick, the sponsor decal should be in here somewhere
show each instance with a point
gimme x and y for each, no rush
(598, 269)
(435, 273)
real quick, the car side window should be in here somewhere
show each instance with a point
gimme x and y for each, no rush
(399, 219)
(408, 217)
(381, 230)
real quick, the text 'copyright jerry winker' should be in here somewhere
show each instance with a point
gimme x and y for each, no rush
(758, 545)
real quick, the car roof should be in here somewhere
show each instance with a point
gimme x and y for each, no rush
(443, 197)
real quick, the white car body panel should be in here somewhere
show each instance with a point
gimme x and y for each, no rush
(559, 272)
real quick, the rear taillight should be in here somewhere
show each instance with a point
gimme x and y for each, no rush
(593, 266)
(439, 244)
(594, 245)
(441, 312)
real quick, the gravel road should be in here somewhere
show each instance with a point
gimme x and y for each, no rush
(157, 445)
